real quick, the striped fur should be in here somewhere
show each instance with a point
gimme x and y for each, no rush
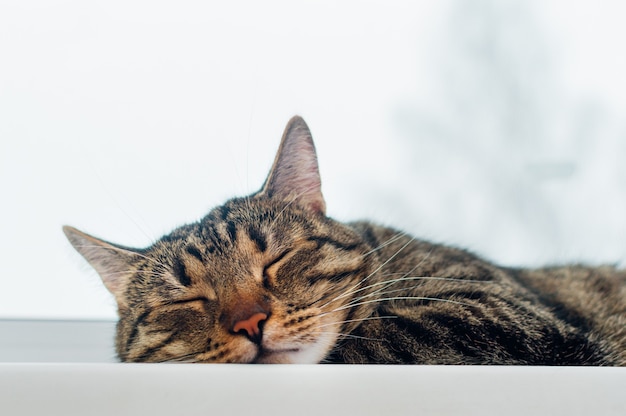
(324, 291)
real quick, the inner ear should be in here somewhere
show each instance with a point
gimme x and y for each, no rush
(294, 176)
(112, 262)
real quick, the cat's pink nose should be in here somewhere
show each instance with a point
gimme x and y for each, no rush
(251, 327)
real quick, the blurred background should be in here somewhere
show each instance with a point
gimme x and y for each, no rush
(497, 126)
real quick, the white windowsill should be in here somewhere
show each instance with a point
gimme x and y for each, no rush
(61, 384)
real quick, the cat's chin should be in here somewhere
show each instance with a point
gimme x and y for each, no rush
(309, 355)
(276, 357)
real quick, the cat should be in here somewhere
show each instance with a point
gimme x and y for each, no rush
(269, 278)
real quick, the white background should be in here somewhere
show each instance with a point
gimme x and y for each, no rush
(494, 125)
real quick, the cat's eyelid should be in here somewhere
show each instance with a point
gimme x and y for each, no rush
(194, 299)
(265, 276)
(276, 260)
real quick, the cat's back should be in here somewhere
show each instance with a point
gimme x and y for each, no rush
(590, 298)
(582, 307)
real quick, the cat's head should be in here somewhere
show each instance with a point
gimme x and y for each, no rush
(265, 278)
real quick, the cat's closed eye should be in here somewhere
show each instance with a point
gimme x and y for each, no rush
(269, 270)
(202, 300)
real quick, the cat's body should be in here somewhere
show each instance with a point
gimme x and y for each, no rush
(557, 316)
(269, 278)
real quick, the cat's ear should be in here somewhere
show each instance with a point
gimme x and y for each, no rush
(112, 262)
(295, 173)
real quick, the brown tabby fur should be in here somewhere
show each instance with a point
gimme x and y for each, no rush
(323, 291)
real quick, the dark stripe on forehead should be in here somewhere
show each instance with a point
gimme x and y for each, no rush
(213, 238)
(258, 238)
(180, 272)
(193, 251)
(224, 211)
(231, 228)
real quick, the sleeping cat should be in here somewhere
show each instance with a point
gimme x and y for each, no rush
(269, 278)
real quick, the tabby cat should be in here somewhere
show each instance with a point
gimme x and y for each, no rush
(269, 278)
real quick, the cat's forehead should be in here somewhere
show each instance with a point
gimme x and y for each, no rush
(257, 220)
(266, 214)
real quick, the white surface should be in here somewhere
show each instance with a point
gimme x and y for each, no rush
(50, 341)
(65, 368)
(124, 389)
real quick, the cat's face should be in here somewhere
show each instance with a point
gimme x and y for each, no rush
(266, 278)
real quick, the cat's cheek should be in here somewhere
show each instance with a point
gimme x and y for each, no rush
(234, 352)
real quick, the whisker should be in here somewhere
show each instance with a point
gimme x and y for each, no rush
(420, 262)
(371, 274)
(388, 283)
(371, 318)
(391, 240)
(396, 298)
(386, 261)
(386, 292)
(342, 335)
